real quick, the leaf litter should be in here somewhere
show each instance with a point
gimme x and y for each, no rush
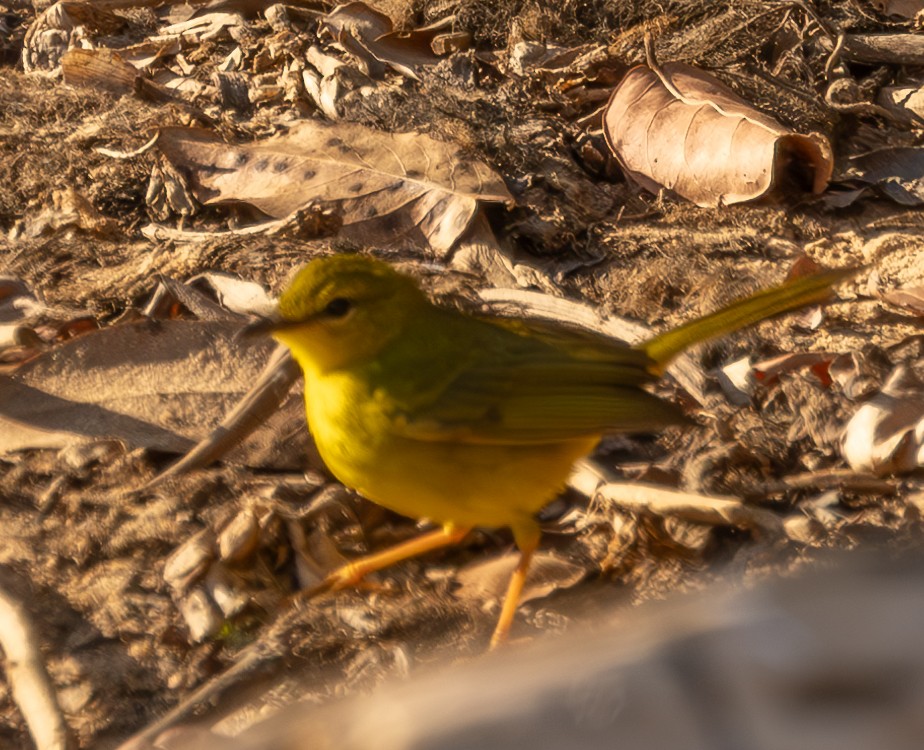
(505, 101)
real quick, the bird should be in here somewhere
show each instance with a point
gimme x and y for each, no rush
(471, 421)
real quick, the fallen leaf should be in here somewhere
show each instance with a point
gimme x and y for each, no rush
(736, 379)
(55, 30)
(910, 298)
(769, 370)
(235, 294)
(103, 69)
(899, 8)
(207, 27)
(860, 373)
(332, 81)
(69, 210)
(904, 102)
(896, 173)
(159, 385)
(694, 136)
(369, 36)
(388, 187)
(489, 578)
(528, 57)
(28, 326)
(886, 434)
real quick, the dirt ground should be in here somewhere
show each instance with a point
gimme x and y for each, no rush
(140, 597)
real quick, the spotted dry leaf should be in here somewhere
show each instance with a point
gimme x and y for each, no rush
(390, 189)
(692, 135)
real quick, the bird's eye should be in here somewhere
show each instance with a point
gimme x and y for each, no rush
(338, 307)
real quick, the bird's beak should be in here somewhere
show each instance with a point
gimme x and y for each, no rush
(264, 327)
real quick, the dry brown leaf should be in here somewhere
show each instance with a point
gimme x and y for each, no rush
(69, 211)
(28, 325)
(159, 385)
(106, 70)
(548, 573)
(769, 370)
(894, 172)
(389, 188)
(99, 68)
(899, 8)
(186, 86)
(910, 298)
(56, 28)
(146, 53)
(906, 103)
(332, 81)
(886, 434)
(370, 36)
(826, 659)
(208, 27)
(696, 137)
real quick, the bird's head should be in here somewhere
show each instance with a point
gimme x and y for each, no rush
(343, 309)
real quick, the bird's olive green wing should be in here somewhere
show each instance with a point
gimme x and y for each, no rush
(516, 382)
(516, 389)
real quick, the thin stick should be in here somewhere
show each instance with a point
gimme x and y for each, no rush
(718, 511)
(31, 685)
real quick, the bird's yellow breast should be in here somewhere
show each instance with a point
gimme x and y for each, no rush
(469, 484)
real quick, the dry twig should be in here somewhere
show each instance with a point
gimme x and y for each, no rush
(25, 669)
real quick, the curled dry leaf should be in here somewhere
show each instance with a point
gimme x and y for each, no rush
(693, 135)
(202, 28)
(202, 616)
(240, 538)
(28, 325)
(886, 434)
(739, 379)
(58, 27)
(769, 370)
(390, 188)
(106, 70)
(333, 81)
(190, 561)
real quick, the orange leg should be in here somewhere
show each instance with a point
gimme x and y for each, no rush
(353, 572)
(527, 539)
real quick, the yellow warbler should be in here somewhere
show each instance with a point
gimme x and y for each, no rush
(467, 421)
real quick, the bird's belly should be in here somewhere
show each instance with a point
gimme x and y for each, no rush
(466, 484)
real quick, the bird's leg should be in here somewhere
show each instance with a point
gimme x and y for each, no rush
(527, 539)
(353, 572)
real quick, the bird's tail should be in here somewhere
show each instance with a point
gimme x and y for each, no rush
(791, 295)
